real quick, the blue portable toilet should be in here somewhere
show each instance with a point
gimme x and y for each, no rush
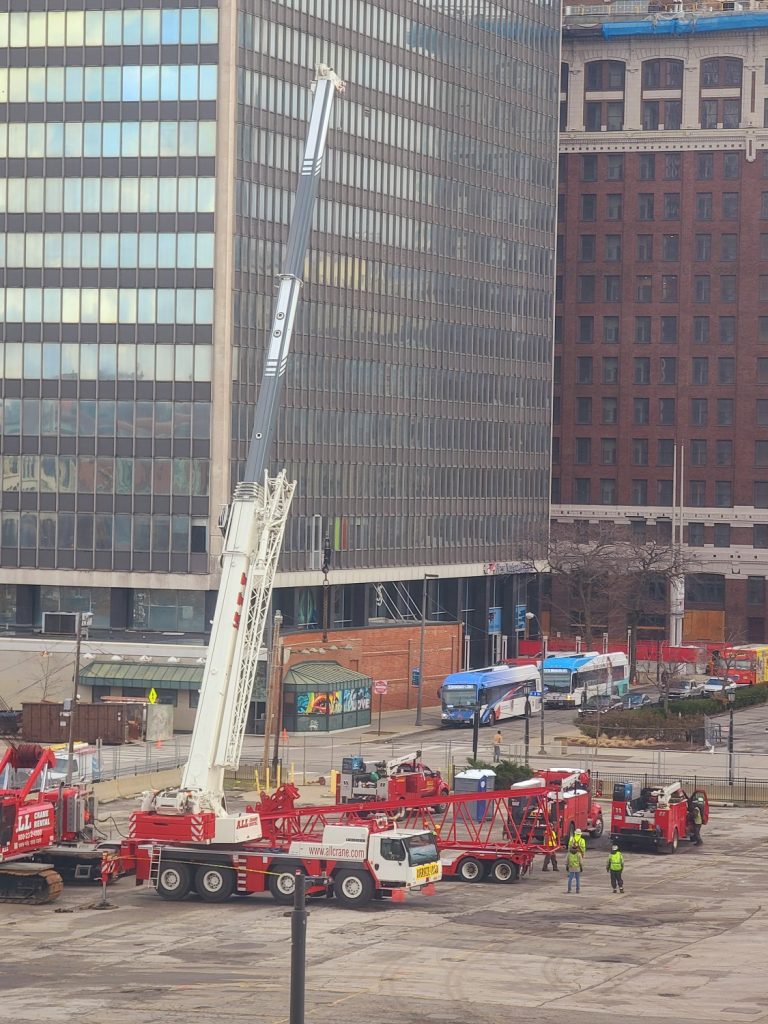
(475, 780)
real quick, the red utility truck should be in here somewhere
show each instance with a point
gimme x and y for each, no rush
(401, 778)
(656, 816)
(570, 804)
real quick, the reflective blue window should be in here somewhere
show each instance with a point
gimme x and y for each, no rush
(169, 81)
(150, 82)
(113, 28)
(209, 26)
(54, 85)
(208, 82)
(54, 139)
(93, 78)
(170, 26)
(112, 84)
(166, 253)
(190, 25)
(74, 85)
(111, 144)
(131, 28)
(188, 82)
(36, 85)
(150, 28)
(131, 84)
(130, 141)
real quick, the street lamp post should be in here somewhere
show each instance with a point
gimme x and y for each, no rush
(419, 691)
(82, 621)
(527, 723)
(544, 642)
(731, 699)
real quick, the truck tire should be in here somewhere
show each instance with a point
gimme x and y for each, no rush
(174, 880)
(214, 884)
(471, 870)
(672, 846)
(281, 881)
(505, 871)
(597, 831)
(440, 808)
(353, 888)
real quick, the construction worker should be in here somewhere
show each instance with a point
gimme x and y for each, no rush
(615, 866)
(551, 844)
(580, 841)
(574, 862)
(497, 747)
(698, 821)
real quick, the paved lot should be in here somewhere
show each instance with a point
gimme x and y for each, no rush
(686, 942)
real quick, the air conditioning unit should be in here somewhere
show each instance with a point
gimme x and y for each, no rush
(60, 623)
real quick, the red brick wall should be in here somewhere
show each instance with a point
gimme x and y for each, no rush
(387, 652)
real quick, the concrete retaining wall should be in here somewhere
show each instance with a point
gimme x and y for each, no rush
(133, 785)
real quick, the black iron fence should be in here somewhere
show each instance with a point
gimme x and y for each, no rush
(742, 792)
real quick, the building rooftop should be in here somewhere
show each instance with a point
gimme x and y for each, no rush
(663, 17)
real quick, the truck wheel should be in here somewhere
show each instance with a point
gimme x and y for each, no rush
(174, 881)
(505, 871)
(471, 870)
(672, 847)
(597, 831)
(214, 884)
(281, 881)
(353, 888)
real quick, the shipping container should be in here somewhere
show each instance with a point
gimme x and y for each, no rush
(49, 723)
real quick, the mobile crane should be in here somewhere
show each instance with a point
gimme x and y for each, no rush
(184, 839)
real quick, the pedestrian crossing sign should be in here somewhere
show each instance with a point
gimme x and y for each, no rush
(152, 696)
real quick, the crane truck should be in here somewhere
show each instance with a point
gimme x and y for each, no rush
(185, 839)
(396, 779)
(45, 829)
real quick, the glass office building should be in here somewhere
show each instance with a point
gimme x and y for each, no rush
(147, 165)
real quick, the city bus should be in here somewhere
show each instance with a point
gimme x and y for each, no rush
(570, 681)
(498, 692)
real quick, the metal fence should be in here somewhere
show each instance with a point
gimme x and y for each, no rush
(254, 775)
(118, 762)
(742, 792)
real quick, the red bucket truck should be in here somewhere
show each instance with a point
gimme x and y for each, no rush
(655, 816)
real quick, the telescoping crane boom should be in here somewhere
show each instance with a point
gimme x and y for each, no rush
(253, 526)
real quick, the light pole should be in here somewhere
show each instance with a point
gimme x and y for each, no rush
(544, 642)
(731, 699)
(82, 621)
(527, 722)
(427, 576)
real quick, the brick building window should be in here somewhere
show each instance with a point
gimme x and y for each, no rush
(762, 370)
(666, 412)
(608, 451)
(584, 370)
(761, 412)
(671, 206)
(646, 168)
(724, 453)
(673, 166)
(639, 492)
(644, 248)
(586, 330)
(701, 287)
(612, 248)
(702, 248)
(586, 288)
(670, 248)
(729, 248)
(639, 451)
(703, 206)
(760, 535)
(708, 116)
(730, 205)
(701, 330)
(668, 331)
(698, 452)
(610, 410)
(725, 412)
(668, 370)
(731, 165)
(612, 288)
(608, 492)
(761, 454)
(610, 370)
(695, 535)
(697, 493)
(699, 412)
(582, 451)
(589, 167)
(723, 493)
(727, 330)
(728, 288)
(763, 287)
(669, 290)
(641, 411)
(645, 202)
(726, 371)
(641, 370)
(644, 283)
(665, 452)
(722, 535)
(615, 167)
(664, 493)
(760, 494)
(582, 490)
(611, 330)
(756, 590)
(587, 248)
(614, 206)
(705, 166)
(588, 209)
(700, 370)
(584, 411)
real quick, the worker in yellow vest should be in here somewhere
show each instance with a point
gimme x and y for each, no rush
(615, 868)
(551, 844)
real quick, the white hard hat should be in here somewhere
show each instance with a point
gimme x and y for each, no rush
(578, 831)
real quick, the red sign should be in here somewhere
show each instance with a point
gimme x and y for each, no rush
(380, 686)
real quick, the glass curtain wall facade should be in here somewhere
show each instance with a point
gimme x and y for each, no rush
(107, 173)
(417, 413)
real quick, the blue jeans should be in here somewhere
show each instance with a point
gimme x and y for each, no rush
(577, 876)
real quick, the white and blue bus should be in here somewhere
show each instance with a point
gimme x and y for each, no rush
(498, 692)
(570, 681)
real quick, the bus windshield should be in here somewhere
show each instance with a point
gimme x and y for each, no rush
(459, 696)
(557, 680)
(421, 849)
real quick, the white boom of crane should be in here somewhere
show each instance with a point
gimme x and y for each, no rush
(253, 524)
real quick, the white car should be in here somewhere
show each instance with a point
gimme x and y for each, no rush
(713, 687)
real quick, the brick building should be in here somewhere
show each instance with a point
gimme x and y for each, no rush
(662, 298)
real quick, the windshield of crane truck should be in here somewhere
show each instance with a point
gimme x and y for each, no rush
(459, 696)
(421, 849)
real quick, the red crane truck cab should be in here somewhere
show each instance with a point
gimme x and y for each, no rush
(578, 808)
(655, 816)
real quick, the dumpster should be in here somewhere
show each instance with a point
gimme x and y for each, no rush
(475, 780)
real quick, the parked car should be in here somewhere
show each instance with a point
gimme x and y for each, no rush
(601, 703)
(686, 688)
(632, 701)
(715, 686)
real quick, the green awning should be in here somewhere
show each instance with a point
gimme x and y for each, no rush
(325, 675)
(130, 675)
